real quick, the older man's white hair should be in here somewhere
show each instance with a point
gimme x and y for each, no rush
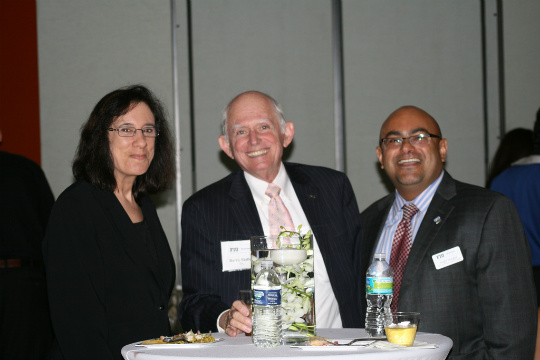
(277, 109)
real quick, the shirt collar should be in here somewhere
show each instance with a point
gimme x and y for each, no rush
(422, 201)
(258, 187)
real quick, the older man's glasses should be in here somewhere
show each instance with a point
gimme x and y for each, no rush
(129, 131)
(415, 140)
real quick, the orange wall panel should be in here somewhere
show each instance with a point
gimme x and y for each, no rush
(19, 87)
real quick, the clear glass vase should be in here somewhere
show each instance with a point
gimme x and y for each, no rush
(292, 258)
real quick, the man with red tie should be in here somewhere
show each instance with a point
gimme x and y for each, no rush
(459, 252)
(264, 194)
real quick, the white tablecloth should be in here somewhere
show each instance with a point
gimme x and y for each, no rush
(241, 347)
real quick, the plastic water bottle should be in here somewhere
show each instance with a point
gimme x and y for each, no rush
(267, 307)
(379, 291)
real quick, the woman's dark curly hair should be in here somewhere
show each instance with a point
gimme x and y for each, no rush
(93, 161)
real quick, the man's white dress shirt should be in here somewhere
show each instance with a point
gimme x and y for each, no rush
(326, 306)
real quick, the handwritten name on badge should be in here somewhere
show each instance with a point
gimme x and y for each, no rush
(447, 258)
(236, 255)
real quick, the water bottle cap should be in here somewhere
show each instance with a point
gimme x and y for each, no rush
(380, 256)
(266, 264)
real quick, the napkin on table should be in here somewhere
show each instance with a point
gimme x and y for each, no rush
(385, 345)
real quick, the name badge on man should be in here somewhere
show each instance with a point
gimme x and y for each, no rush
(447, 258)
(236, 255)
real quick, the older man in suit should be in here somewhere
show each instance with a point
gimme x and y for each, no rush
(236, 207)
(467, 270)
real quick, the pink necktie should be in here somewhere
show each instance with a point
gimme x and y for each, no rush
(278, 215)
(401, 246)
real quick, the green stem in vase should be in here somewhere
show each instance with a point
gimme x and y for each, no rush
(304, 329)
(297, 290)
(305, 239)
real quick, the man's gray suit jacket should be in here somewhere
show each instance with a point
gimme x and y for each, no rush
(486, 303)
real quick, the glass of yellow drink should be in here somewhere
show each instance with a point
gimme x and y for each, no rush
(402, 330)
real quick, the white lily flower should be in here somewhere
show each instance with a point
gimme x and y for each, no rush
(289, 298)
(308, 269)
(256, 267)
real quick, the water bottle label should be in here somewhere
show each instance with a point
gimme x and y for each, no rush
(379, 285)
(266, 297)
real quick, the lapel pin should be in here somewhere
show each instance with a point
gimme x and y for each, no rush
(312, 196)
(437, 220)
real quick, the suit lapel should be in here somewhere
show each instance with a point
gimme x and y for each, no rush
(243, 208)
(373, 226)
(309, 198)
(128, 238)
(161, 268)
(439, 207)
(379, 221)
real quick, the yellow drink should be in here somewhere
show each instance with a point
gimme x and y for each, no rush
(401, 335)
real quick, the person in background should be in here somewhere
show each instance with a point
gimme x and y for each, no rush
(110, 270)
(516, 144)
(236, 207)
(25, 204)
(463, 258)
(521, 183)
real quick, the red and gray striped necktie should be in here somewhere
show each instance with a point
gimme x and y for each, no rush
(401, 245)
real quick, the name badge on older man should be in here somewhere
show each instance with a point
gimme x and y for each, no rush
(236, 255)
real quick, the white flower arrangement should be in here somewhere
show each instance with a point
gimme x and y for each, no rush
(294, 265)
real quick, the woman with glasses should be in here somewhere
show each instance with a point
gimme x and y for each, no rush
(110, 270)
